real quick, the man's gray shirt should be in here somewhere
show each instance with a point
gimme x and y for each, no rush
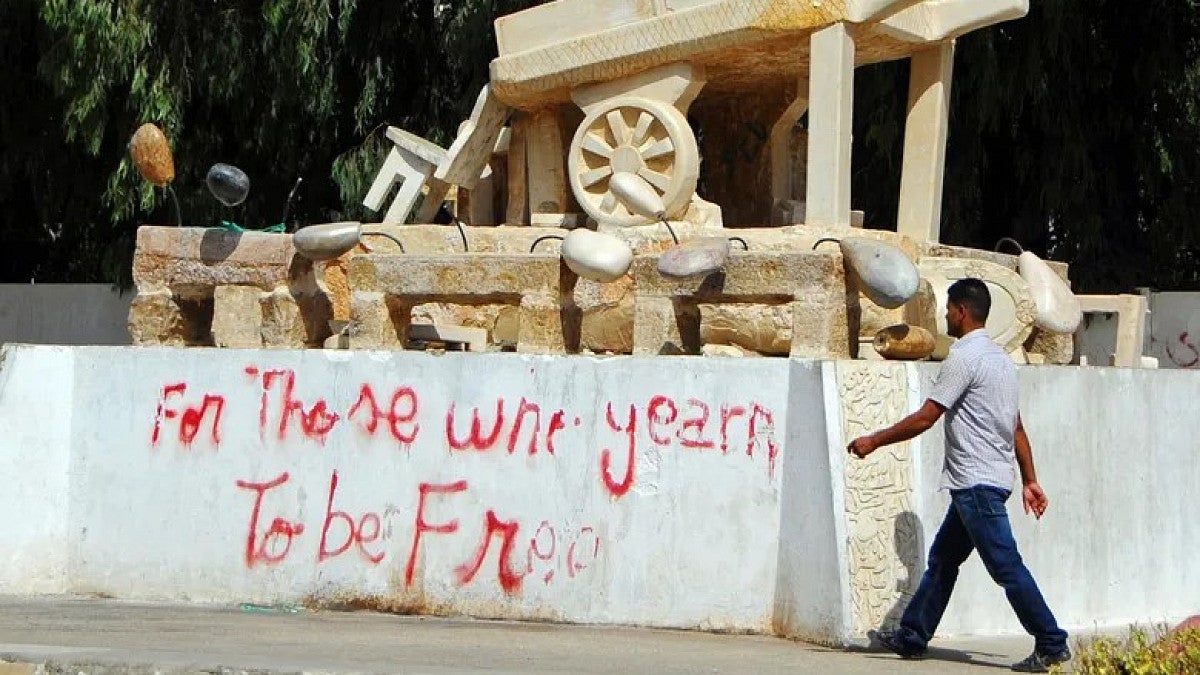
(977, 386)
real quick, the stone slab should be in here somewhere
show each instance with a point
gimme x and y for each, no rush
(742, 42)
(749, 274)
(204, 258)
(472, 274)
(476, 339)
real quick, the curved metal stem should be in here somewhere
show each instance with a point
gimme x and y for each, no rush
(385, 235)
(541, 239)
(462, 231)
(671, 230)
(175, 200)
(824, 240)
(287, 208)
(743, 242)
(1009, 240)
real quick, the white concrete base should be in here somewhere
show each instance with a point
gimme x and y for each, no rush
(678, 492)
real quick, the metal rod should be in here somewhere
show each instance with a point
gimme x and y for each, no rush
(824, 240)
(743, 242)
(288, 206)
(462, 231)
(386, 236)
(671, 230)
(175, 200)
(541, 239)
(1009, 240)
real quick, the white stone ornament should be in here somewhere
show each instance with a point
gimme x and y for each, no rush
(888, 278)
(1058, 310)
(1011, 319)
(596, 256)
(636, 125)
(694, 258)
(636, 195)
(327, 241)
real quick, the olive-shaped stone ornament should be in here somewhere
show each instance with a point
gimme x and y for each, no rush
(152, 155)
(229, 184)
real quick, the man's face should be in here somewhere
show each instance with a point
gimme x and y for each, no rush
(955, 315)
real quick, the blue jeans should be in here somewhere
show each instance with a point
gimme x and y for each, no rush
(977, 519)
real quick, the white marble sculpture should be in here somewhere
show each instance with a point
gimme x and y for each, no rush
(596, 256)
(1013, 309)
(1058, 310)
(886, 275)
(633, 68)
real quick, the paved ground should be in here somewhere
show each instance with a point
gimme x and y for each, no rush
(91, 636)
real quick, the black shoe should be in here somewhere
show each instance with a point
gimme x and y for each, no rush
(1041, 663)
(894, 644)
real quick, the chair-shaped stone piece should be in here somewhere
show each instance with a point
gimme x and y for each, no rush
(411, 162)
(424, 166)
(213, 287)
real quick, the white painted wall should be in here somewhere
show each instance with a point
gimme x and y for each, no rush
(703, 537)
(1174, 327)
(36, 413)
(1115, 451)
(811, 595)
(167, 520)
(64, 314)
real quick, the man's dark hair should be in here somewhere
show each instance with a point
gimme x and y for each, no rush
(972, 295)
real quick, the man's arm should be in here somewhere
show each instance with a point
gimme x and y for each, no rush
(910, 427)
(1034, 498)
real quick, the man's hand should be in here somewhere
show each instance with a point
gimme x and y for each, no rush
(1035, 499)
(909, 427)
(862, 446)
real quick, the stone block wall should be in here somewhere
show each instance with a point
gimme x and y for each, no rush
(199, 287)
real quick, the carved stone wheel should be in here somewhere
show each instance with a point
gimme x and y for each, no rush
(638, 136)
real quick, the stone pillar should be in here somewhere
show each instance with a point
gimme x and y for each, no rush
(374, 323)
(541, 325)
(884, 540)
(782, 164)
(546, 163)
(920, 211)
(517, 202)
(818, 332)
(238, 317)
(830, 126)
(655, 327)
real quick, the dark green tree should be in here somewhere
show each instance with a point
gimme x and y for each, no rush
(283, 89)
(1074, 130)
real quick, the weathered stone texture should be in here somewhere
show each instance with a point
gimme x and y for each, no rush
(1058, 349)
(766, 329)
(155, 318)
(204, 287)
(237, 317)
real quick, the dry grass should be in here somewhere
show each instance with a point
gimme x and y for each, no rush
(1142, 653)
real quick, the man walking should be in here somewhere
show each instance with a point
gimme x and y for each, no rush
(977, 390)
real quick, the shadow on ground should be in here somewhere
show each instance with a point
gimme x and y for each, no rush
(971, 658)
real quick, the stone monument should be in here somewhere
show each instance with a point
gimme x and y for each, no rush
(601, 119)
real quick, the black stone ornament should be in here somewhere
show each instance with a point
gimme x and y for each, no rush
(229, 184)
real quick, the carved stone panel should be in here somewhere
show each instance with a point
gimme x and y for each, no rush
(1013, 310)
(884, 551)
